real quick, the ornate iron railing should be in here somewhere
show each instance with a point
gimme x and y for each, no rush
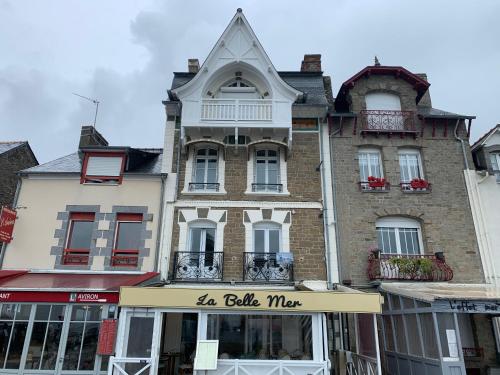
(408, 187)
(383, 121)
(266, 267)
(201, 186)
(277, 188)
(370, 186)
(190, 265)
(408, 267)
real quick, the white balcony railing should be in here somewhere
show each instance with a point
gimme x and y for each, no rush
(236, 110)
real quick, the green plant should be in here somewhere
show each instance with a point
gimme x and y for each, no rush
(413, 266)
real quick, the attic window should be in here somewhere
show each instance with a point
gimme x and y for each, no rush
(103, 168)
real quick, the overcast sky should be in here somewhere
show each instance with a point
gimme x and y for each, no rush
(123, 53)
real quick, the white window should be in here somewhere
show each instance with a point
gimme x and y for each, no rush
(495, 161)
(102, 168)
(266, 173)
(399, 236)
(410, 165)
(383, 112)
(370, 164)
(205, 170)
(267, 238)
(202, 248)
(382, 101)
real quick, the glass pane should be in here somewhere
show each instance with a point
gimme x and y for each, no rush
(447, 334)
(272, 153)
(140, 337)
(408, 239)
(272, 175)
(51, 346)
(129, 235)
(400, 336)
(33, 360)
(414, 345)
(212, 172)
(89, 346)
(195, 239)
(259, 241)
(387, 240)
(94, 313)
(210, 240)
(199, 175)
(57, 312)
(366, 335)
(8, 311)
(42, 312)
(494, 158)
(23, 312)
(5, 328)
(16, 345)
(212, 152)
(201, 152)
(363, 167)
(81, 235)
(78, 313)
(274, 241)
(466, 331)
(403, 168)
(428, 335)
(261, 153)
(374, 165)
(389, 338)
(73, 345)
(260, 172)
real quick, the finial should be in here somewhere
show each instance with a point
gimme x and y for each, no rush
(377, 63)
(239, 10)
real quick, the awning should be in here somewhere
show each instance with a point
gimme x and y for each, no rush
(251, 299)
(471, 298)
(24, 286)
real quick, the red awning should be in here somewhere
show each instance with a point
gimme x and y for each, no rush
(24, 280)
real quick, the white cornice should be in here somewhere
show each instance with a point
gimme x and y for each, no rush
(248, 204)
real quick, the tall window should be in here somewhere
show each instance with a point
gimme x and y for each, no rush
(267, 238)
(79, 238)
(495, 161)
(13, 328)
(370, 164)
(267, 176)
(410, 165)
(202, 245)
(383, 112)
(205, 170)
(127, 240)
(399, 236)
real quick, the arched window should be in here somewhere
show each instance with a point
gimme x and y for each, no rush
(266, 172)
(239, 89)
(205, 170)
(399, 235)
(201, 244)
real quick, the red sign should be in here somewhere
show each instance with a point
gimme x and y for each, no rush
(7, 220)
(58, 297)
(107, 337)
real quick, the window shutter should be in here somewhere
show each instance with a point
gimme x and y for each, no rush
(104, 166)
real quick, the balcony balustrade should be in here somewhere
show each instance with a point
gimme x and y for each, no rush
(382, 121)
(408, 267)
(190, 265)
(76, 258)
(200, 186)
(272, 188)
(236, 110)
(266, 267)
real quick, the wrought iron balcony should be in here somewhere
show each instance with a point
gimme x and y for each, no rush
(236, 110)
(382, 121)
(408, 267)
(266, 267)
(201, 186)
(416, 187)
(271, 188)
(190, 265)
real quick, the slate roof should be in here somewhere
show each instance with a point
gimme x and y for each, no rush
(7, 146)
(72, 163)
(309, 83)
(484, 136)
(428, 112)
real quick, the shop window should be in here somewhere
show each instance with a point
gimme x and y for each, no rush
(139, 341)
(79, 238)
(13, 326)
(399, 236)
(127, 240)
(267, 172)
(370, 165)
(447, 335)
(45, 336)
(83, 334)
(428, 336)
(262, 337)
(103, 168)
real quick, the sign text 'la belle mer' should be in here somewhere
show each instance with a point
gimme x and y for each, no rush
(249, 300)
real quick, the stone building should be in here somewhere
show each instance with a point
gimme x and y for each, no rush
(404, 222)
(14, 156)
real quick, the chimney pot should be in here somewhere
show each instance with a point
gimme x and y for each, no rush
(311, 63)
(193, 66)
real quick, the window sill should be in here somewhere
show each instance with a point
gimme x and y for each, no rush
(375, 191)
(416, 191)
(101, 183)
(268, 193)
(203, 192)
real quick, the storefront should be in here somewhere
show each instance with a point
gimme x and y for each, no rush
(259, 331)
(440, 328)
(50, 323)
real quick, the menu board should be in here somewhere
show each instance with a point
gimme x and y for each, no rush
(206, 355)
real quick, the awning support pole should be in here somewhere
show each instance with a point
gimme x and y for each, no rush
(377, 347)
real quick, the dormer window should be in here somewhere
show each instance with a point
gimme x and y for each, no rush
(495, 161)
(103, 168)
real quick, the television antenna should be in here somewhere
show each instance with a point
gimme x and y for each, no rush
(96, 102)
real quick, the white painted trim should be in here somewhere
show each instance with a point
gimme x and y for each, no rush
(249, 204)
(221, 170)
(277, 218)
(283, 178)
(191, 217)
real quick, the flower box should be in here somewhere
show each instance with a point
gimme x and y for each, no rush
(376, 182)
(419, 183)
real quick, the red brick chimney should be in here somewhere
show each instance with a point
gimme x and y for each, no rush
(311, 63)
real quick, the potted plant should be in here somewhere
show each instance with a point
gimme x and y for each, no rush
(412, 268)
(376, 182)
(419, 183)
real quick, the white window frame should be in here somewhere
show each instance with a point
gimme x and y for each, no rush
(277, 218)
(191, 166)
(405, 152)
(282, 171)
(368, 152)
(398, 223)
(495, 159)
(203, 225)
(267, 226)
(205, 157)
(384, 101)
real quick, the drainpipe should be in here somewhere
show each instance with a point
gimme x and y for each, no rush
(163, 177)
(466, 162)
(14, 205)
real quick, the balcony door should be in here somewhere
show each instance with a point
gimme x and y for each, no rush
(202, 248)
(266, 244)
(384, 111)
(205, 170)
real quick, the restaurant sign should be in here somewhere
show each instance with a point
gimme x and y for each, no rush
(238, 299)
(467, 306)
(7, 220)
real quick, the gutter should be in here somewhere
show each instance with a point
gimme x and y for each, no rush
(14, 205)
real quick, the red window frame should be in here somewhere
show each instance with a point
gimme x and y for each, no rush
(125, 257)
(73, 256)
(85, 178)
